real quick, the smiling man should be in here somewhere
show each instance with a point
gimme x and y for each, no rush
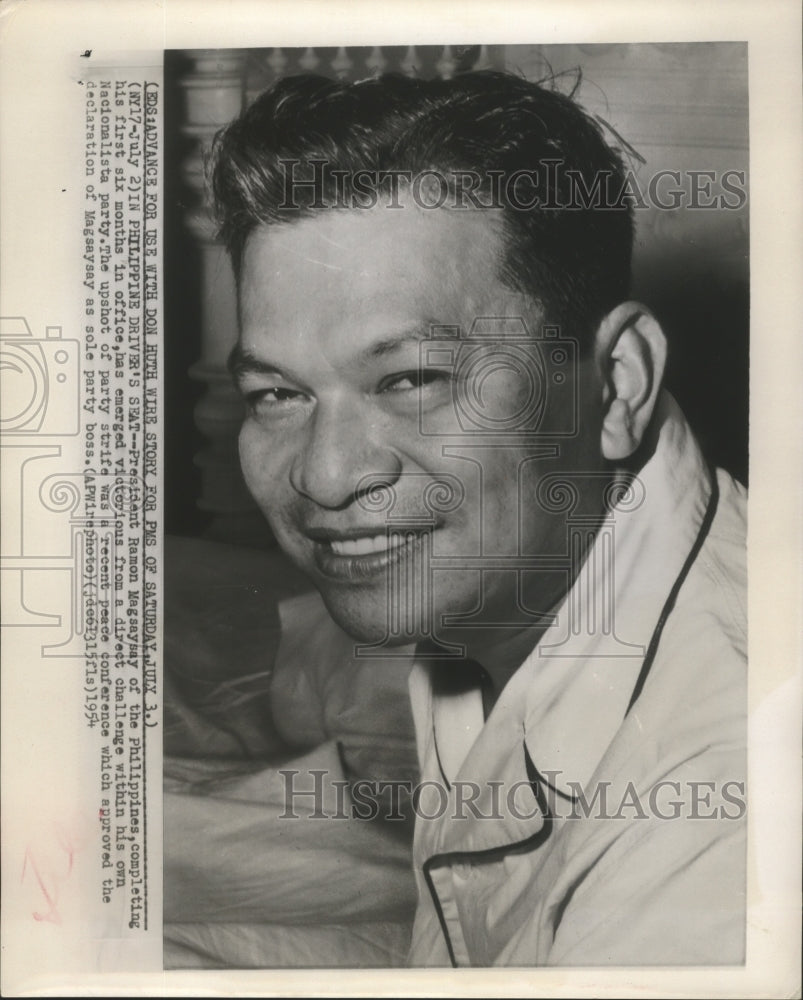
(337, 393)
(456, 427)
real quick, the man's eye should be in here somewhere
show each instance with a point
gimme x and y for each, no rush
(415, 380)
(276, 398)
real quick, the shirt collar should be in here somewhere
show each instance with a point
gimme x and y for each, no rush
(584, 673)
(566, 702)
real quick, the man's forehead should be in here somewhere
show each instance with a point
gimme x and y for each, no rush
(356, 265)
(381, 233)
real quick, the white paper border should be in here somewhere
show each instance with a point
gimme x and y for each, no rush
(39, 37)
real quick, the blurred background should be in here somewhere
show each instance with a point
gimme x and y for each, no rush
(681, 107)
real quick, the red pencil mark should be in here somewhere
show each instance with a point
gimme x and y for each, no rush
(50, 870)
(52, 913)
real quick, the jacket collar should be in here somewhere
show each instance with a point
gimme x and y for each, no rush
(566, 702)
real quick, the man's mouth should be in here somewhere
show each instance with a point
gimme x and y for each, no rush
(363, 556)
(364, 546)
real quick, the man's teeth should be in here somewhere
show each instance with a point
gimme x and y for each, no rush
(364, 546)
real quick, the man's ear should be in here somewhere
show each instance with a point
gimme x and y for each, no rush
(631, 353)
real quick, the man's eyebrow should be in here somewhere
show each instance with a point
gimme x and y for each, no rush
(242, 362)
(413, 335)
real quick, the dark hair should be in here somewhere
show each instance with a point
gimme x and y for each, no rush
(567, 253)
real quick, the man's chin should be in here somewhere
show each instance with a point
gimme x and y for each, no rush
(365, 619)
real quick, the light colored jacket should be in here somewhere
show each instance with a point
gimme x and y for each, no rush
(624, 842)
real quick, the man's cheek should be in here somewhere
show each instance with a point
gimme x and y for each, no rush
(274, 502)
(260, 464)
(249, 457)
(279, 512)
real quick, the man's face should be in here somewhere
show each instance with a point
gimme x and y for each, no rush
(337, 314)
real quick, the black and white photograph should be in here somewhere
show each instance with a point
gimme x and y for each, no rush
(400, 435)
(456, 662)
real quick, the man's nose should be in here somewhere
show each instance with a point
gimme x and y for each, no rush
(340, 450)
